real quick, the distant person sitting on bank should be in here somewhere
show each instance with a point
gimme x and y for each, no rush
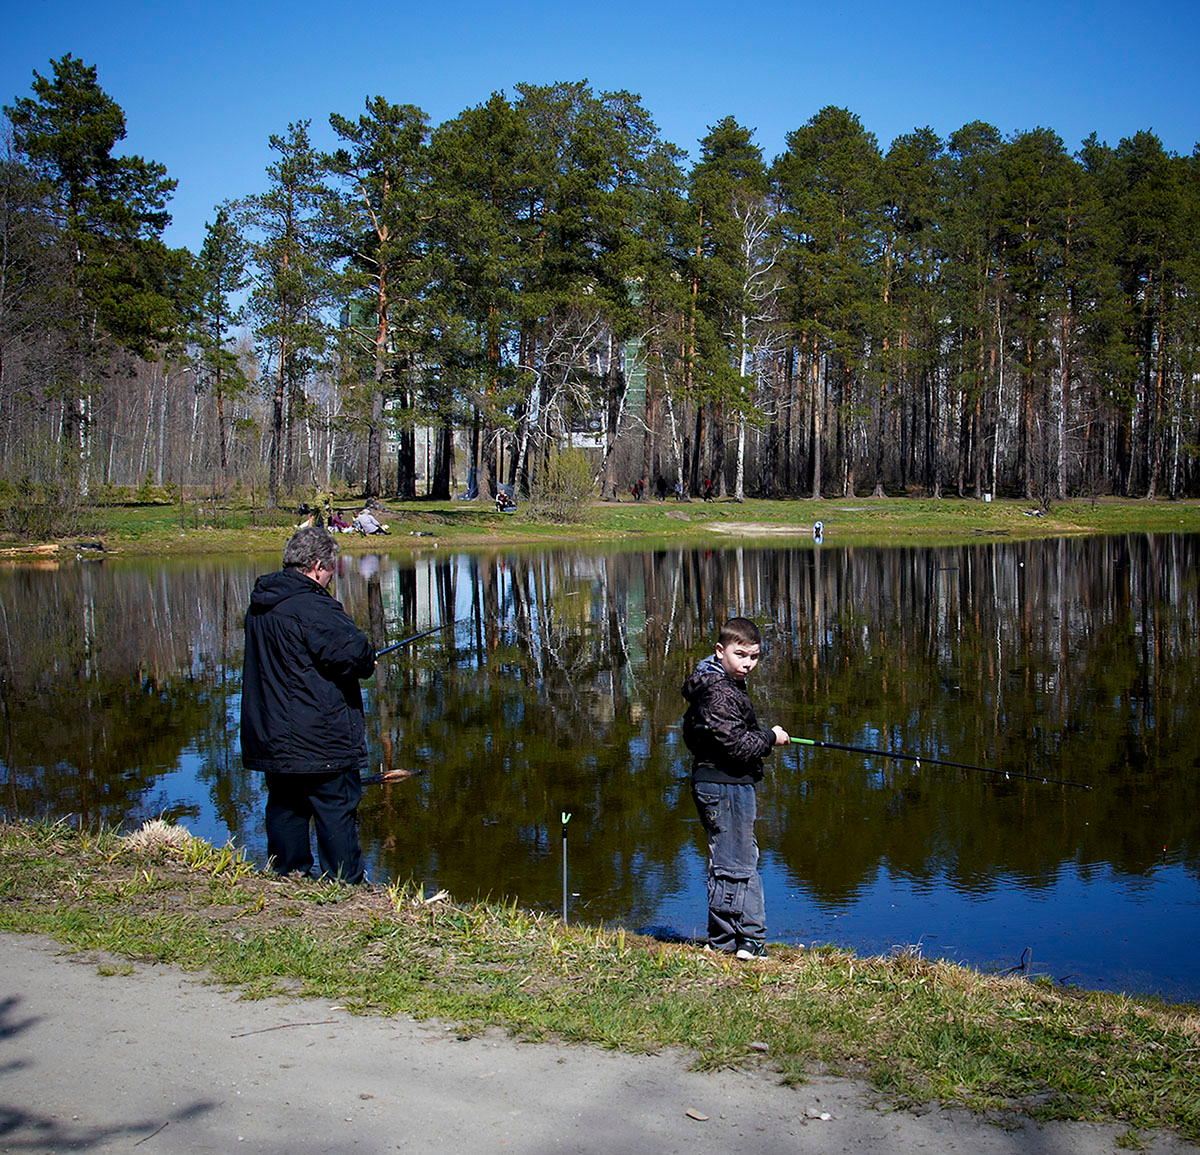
(367, 522)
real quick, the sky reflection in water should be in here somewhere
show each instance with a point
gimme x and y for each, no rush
(558, 691)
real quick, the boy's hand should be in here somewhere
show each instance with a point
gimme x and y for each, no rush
(781, 736)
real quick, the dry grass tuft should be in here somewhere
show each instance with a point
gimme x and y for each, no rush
(156, 836)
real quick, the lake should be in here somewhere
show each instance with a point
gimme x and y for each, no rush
(554, 689)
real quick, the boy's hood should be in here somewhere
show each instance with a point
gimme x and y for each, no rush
(708, 669)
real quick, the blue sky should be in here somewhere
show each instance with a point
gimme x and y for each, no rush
(204, 85)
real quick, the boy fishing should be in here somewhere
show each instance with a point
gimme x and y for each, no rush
(728, 746)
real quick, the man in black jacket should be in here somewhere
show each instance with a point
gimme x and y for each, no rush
(302, 710)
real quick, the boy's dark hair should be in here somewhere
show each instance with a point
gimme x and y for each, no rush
(739, 630)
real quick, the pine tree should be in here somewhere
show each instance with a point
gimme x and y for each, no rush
(108, 212)
(587, 153)
(911, 376)
(828, 184)
(380, 229)
(1153, 198)
(221, 274)
(975, 294)
(1032, 235)
(33, 269)
(658, 252)
(486, 238)
(291, 288)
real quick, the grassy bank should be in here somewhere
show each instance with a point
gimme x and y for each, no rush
(196, 527)
(916, 1030)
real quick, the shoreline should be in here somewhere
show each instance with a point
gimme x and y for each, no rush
(161, 529)
(906, 1031)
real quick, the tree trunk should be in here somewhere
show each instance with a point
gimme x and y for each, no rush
(716, 434)
(677, 447)
(817, 406)
(221, 431)
(614, 393)
(373, 486)
(739, 481)
(697, 447)
(443, 463)
(276, 450)
(406, 459)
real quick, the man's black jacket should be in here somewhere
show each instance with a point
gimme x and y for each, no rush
(302, 709)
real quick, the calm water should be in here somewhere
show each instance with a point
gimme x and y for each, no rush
(557, 690)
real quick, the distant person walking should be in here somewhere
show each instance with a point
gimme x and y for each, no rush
(302, 711)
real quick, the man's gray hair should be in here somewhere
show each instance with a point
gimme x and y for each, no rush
(308, 546)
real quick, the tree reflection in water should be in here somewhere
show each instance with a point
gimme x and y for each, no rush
(556, 688)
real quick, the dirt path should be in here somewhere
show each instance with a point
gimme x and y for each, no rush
(154, 1060)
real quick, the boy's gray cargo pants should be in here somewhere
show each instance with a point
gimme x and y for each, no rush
(736, 913)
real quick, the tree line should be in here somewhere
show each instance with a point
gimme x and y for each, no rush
(966, 315)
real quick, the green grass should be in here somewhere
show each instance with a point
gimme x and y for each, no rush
(916, 1030)
(197, 526)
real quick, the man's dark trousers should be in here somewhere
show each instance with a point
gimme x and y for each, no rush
(330, 803)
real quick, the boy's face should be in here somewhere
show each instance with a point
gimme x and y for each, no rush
(738, 659)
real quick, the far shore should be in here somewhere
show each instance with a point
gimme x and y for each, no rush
(194, 526)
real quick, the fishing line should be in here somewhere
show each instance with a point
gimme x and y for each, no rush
(400, 775)
(919, 758)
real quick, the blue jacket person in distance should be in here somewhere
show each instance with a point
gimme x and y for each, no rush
(728, 746)
(302, 710)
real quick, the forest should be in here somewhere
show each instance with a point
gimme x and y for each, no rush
(428, 308)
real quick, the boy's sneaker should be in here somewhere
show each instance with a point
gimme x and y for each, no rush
(752, 949)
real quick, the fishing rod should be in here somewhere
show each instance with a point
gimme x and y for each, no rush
(400, 775)
(413, 638)
(919, 758)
